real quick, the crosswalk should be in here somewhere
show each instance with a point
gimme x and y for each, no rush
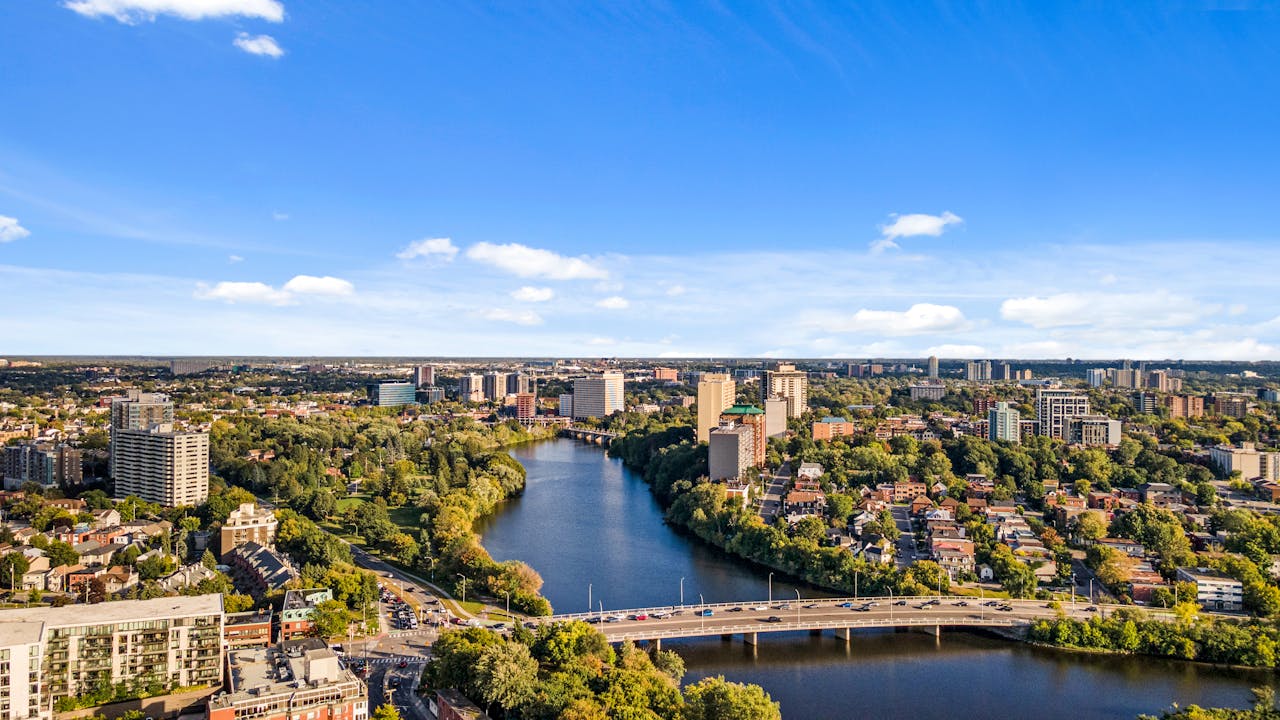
(411, 659)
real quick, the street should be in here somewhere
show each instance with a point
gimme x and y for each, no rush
(771, 502)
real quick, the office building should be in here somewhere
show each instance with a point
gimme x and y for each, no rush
(49, 466)
(730, 452)
(785, 381)
(933, 366)
(1184, 406)
(431, 395)
(1214, 590)
(494, 385)
(1093, 430)
(471, 388)
(1004, 422)
(1247, 460)
(54, 653)
(598, 396)
(526, 405)
(295, 680)
(1054, 406)
(424, 376)
(716, 392)
(775, 417)
(566, 405)
(247, 523)
(161, 465)
(392, 393)
(1096, 377)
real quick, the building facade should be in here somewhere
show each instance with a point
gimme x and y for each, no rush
(785, 381)
(161, 465)
(1004, 422)
(46, 465)
(598, 396)
(1093, 430)
(716, 392)
(392, 394)
(297, 680)
(730, 452)
(247, 523)
(1054, 406)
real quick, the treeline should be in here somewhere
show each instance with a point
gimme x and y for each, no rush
(421, 487)
(1225, 642)
(569, 671)
(1264, 708)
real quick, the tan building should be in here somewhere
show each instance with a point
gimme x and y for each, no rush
(716, 392)
(1246, 460)
(666, 374)
(786, 382)
(248, 523)
(829, 428)
(526, 405)
(161, 465)
(296, 680)
(1184, 406)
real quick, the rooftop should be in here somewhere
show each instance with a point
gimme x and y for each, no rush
(285, 668)
(119, 611)
(743, 410)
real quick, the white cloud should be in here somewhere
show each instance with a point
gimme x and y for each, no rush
(279, 216)
(601, 341)
(881, 245)
(918, 224)
(427, 247)
(918, 319)
(234, 259)
(957, 351)
(263, 45)
(243, 292)
(312, 285)
(10, 230)
(1136, 310)
(523, 261)
(132, 11)
(533, 294)
(614, 302)
(675, 291)
(519, 317)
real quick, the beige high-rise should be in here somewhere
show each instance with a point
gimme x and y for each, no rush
(716, 392)
(786, 382)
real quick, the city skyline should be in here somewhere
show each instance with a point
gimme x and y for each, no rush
(253, 177)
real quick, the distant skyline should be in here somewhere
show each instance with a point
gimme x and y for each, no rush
(269, 177)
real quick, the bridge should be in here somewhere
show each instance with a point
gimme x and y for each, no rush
(842, 616)
(599, 437)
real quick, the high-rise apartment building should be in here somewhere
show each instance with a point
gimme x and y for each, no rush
(716, 392)
(1093, 430)
(1054, 406)
(730, 451)
(49, 466)
(137, 411)
(1184, 406)
(494, 385)
(1004, 423)
(775, 417)
(1246, 460)
(394, 393)
(432, 395)
(785, 381)
(526, 405)
(1159, 380)
(598, 396)
(471, 388)
(1127, 378)
(53, 653)
(424, 376)
(518, 383)
(161, 465)
(1231, 405)
(977, 370)
(1145, 403)
(1096, 377)
(666, 374)
(566, 405)
(933, 366)
(752, 417)
(1003, 371)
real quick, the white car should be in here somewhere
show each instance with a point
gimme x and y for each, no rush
(758, 608)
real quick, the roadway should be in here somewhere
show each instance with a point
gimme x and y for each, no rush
(750, 618)
(771, 501)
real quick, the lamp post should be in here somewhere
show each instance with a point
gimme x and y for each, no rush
(464, 586)
(703, 612)
(601, 611)
(508, 594)
(681, 592)
(855, 584)
(588, 597)
(770, 588)
(797, 605)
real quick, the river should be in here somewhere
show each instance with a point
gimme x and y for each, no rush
(584, 520)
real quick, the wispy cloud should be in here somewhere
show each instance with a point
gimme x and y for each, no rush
(1133, 310)
(279, 216)
(312, 285)
(263, 45)
(914, 224)
(429, 247)
(519, 317)
(134, 11)
(533, 294)
(523, 261)
(10, 230)
(613, 302)
(919, 319)
(234, 259)
(263, 294)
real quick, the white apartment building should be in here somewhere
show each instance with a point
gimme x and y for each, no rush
(1004, 423)
(1093, 430)
(161, 465)
(785, 381)
(1054, 406)
(1247, 460)
(598, 396)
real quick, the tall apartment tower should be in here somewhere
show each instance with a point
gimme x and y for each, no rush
(598, 396)
(471, 388)
(161, 465)
(1096, 377)
(137, 411)
(1054, 406)
(424, 376)
(786, 382)
(495, 386)
(977, 370)
(517, 383)
(933, 366)
(716, 392)
(1004, 423)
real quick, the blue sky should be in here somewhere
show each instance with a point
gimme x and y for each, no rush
(766, 179)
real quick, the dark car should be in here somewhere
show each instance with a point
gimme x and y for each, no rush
(402, 664)
(394, 682)
(901, 602)
(774, 618)
(736, 609)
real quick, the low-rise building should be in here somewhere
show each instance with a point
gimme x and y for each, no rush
(1214, 590)
(295, 614)
(247, 629)
(248, 523)
(299, 679)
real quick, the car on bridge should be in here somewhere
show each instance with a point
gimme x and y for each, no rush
(845, 605)
(706, 613)
(773, 619)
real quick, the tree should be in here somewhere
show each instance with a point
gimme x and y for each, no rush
(12, 567)
(506, 675)
(1089, 526)
(714, 698)
(208, 560)
(330, 619)
(386, 711)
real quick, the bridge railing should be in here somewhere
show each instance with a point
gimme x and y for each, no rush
(635, 633)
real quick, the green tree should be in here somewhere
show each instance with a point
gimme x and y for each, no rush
(386, 711)
(12, 567)
(714, 698)
(506, 675)
(330, 619)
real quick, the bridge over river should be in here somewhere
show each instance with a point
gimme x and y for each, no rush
(843, 616)
(592, 435)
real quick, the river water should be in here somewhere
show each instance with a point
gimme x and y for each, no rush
(584, 520)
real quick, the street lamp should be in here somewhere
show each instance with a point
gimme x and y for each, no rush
(588, 597)
(770, 588)
(797, 605)
(508, 594)
(681, 592)
(464, 586)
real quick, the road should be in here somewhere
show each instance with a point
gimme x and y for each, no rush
(771, 502)
(907, 553)
(827, 614)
